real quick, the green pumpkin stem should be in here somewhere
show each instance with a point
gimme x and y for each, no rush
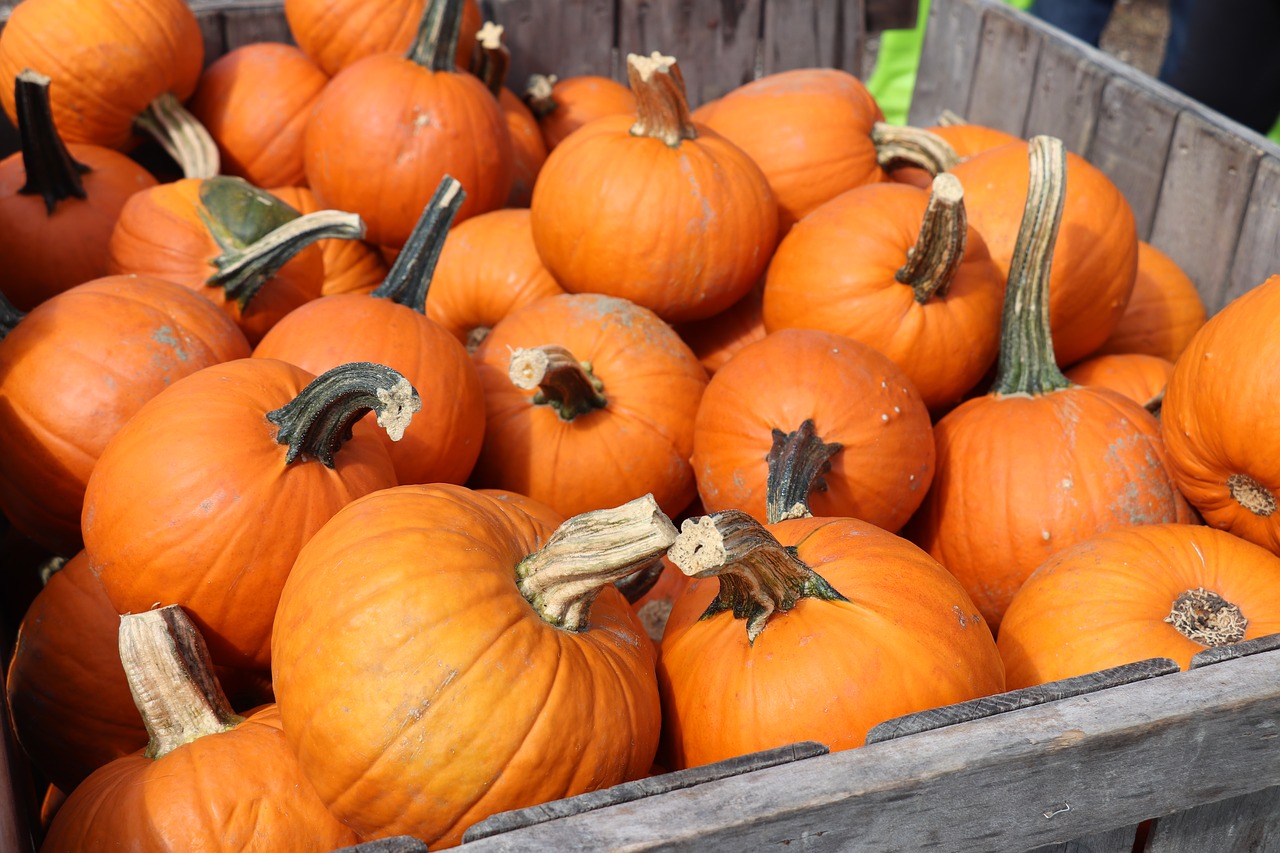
(932, 262)
(563, 382)
(316, 423)
(898, 146)
(52, 173)
(797, 460)
(409, 278)
(171, 677)
(181, 135)
(493, 59)
(10, 316)
(435, 45)
(1027, 364)
(759, 577)
(588, 552)
(662, 108)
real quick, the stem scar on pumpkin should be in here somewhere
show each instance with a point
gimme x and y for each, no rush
(1207, 618)
(1252, 495)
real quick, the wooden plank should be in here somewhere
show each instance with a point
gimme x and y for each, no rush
(262, 22)
(1003, 76)
(1247, 824)
(1257, 254)
(1258, 645)
(883, 15)
(1067, 95)
(947, 59)
(813, 33)
(1116, 841)
(1208, 178)
(565, 38)
(1043, 775)
(716, 42)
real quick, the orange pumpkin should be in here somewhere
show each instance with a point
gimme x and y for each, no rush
(350, 266)
(1141, 378)
(1164, 311)
(1162, 590)
(562, 105)
(718, 337)
(962, 140)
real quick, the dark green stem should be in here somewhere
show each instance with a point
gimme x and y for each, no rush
(435, 46)
(797, 462)
(316, 423)
(410, 276)
(563, 382)
(52, 173)
(1027, 364)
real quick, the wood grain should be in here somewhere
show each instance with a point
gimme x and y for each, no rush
(947, 59)
(813, 33)
(1247, 824)
(1066, 97)
(1004, 73)
(1258, 250)
(1116, 841)
(1255, 646)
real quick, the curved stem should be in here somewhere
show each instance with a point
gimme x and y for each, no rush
(409, 278)
(52, 173)
(950, 118)
(435, 45)
(912, 146)
(758, 576)
(1027, 364)
(181, 135)
(316, 423)
(588, 551)
(797, 460)
(636, 584)
(493, 58)
(10, 317)
(537, 95)
(939, 249)
(662, 109)
(563, 382)
(171, 677)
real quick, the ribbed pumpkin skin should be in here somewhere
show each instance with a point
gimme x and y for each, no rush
(46, 254)
(420, 690)
(835, 270)
(580, 99)
(1103, 601)
(74, 370)
(1164, 312)
(808, 129)
(350, 266)
(909, 639)
(1095, 258)
(684, 231)
(191, 503)
(1219, 415)
(1139, 377)
(255, 101)
(717, 338)
(639, 442)
(108, 61)
(252, 797)
(848, 389)
(1019, 478)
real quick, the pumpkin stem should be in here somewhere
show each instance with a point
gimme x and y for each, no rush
(52, 173)
(564, 383)
(435, 45)
(409, 278)
(932, 262)
(912, 146)
(564, 576)
(171, 677)
(1027, 364)
(537, 94)
(797, 460)
(951, 118)
(181, 135)
(636, 584)
(316, 423)
(1207, 618)
(10, 316)
(662, 109)
(758, 576)
(493, 57)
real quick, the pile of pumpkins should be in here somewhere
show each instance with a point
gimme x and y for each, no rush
(426, 451)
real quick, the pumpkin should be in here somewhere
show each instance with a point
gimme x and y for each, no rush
(1037, 463)
(119, 66)
(1219, 413)
(1164, 311)
(58, 203)
(961, 140)
(254, 101)
(389, 326)
(1141, 378)
(439, 120)
(528, 150)
(654, 209)
(440, 656)
(589, 402)
(817, 629)
(74, 370)
(252, 796)
(813, 394)
(715, 339)
(176, 508)
(488, 268)
(238, 245)
(561, 105)
(1161, 590)
(350, 266)
(899, 269)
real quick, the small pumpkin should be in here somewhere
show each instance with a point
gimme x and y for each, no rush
(350, 266)
(1142, 378)
(1164, 311)
(528, 150)
(561, 105)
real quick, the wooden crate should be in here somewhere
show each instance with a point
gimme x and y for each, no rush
(1188, 761)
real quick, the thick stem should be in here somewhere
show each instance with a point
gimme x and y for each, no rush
(52, 173)
(181, 135)
(662, 109)
(409, 278)
(588, 551)
(435, 46)
(932, 262)
(797, 460)
(912, 146)
(537, 94)
(1207, 618)
(10, 317)
(171, 677)
(242, 272)
(758, 576)
(493, 60)
(636, 584)
(316, 423)
(563, 382)
(1027, 365)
